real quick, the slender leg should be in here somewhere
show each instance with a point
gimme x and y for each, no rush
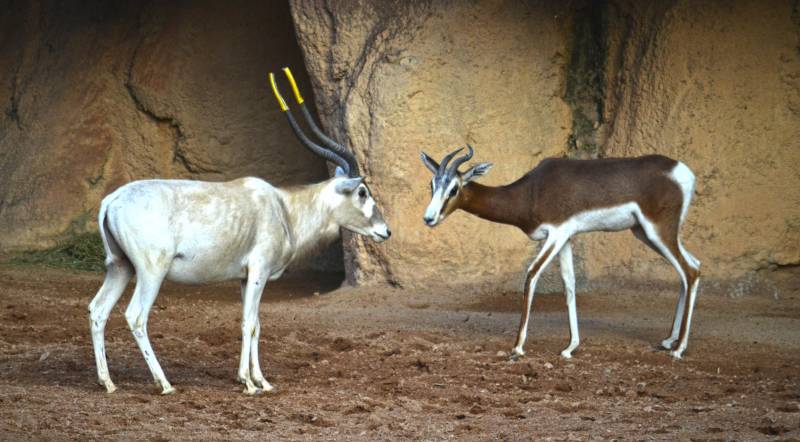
(147, 286)
(568, 276)
(255, 366)
(256, 279)
(694, 277)
(676, 322)
(659, 247)
(551, 246)
(118, 274)
(665, 240)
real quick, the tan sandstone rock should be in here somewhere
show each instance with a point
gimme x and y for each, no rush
(714, 85)
(98, 94)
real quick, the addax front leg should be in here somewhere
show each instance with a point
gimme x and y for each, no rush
(549, 250)
(249, 370)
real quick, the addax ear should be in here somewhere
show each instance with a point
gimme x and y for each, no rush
(476, 171)
(348, 185)
(339, 172)
(432, 165)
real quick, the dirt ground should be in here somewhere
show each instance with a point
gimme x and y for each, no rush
(378, 364)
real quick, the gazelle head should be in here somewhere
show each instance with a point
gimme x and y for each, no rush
(447, 183)
(348, 196)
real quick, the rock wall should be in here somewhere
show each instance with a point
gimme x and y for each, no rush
(712, 84)
(394, 78)
(95, 94)
(716, 85)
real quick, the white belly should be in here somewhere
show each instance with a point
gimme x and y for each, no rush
(198, 269)
(607, 219)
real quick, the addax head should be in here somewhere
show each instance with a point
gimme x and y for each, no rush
(355, 209)
(352, 203)
(447, 183)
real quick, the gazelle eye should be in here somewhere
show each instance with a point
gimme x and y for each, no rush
(362, 193)
(454, 191)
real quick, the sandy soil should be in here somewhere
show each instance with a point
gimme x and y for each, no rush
(381, 364)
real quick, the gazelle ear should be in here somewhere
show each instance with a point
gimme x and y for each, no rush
(432, 165)
(348, 185)
(475, 171)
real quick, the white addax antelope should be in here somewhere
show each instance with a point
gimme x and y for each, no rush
(560, 198)
(198, 232)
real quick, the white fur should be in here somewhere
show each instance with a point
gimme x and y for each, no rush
(438, 200)
(682, 175)
(196, 232)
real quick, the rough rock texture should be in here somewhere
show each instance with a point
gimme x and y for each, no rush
(715, 85)
(398, 77)
(95, 94)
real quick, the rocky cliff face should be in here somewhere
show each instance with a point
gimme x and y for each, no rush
(714, 85)
(395, 78)
(95, 94)
(717, 86)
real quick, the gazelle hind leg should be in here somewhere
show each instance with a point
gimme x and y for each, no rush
(568, 276)
(555, 241)
(147, 286)
(693, 270)
(118, 274)
(249, 367)
(665, 238)
(638, 232)
(650, 235)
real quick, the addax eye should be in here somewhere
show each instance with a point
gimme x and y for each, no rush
(362, 193)
(454, 191)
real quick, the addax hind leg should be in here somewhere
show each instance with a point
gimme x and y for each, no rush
(147, 286)
(553, 244)
(249, 366)
(118, 273)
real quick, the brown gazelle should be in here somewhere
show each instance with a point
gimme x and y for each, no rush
(562, 197)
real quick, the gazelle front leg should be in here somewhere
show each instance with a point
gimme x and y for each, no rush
(555, 241)
(568, 276)
(251, 298)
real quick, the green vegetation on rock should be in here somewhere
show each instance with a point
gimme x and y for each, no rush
(585, 77)
(76, 250)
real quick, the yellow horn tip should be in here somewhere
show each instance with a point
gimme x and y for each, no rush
(294, 85)
(278, 96)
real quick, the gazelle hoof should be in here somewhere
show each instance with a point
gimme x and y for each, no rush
(676, 354)
(110, 387)
(516, 354)
(252, 391)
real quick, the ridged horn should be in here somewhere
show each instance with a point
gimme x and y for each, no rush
(327, 154)
(326, 140)
(446, 159)
(459, 161)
